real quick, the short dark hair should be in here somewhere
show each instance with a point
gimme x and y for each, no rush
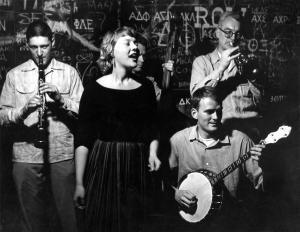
(38, 28)
(205, 91)
(229, 14)
(142, 39)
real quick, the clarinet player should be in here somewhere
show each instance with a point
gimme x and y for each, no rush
(42, 173)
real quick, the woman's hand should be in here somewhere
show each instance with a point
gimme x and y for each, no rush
(79, 196)
(154, 162)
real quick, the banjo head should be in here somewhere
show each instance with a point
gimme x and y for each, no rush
(201, 187)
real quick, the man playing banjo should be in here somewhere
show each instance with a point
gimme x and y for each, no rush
(207, 146)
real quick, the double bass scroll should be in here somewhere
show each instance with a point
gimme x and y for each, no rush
(173, 25)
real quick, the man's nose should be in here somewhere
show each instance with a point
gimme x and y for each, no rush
(215, 115)
(39, 52)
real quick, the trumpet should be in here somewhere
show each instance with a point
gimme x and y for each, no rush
(41, 140)
(247, 64)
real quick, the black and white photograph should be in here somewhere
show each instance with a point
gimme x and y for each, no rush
(149, 115)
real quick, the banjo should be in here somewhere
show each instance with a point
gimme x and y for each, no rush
(206, 185)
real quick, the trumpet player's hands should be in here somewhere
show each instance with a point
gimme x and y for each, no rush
(227, 56)
(186, 198)
(52, 91)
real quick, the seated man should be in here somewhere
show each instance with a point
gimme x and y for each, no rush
(207, 146)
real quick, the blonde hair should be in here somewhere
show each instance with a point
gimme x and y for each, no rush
(110, 39)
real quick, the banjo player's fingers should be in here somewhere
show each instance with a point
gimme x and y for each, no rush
(183, 203)
(189, 202)
(255, 152)
(255, 157)
(190, 196)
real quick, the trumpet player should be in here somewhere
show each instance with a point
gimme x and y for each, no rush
(42, 174)
(241, 96)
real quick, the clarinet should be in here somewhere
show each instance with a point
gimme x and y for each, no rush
(41, 139)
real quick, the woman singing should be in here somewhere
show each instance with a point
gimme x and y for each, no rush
(117, 137)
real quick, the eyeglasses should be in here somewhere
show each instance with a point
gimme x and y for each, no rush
(229, 34)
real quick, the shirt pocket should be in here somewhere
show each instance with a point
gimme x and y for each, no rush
(63, 89)
(25, 89)
(62, 81)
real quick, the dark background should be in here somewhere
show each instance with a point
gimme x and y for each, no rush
(271, 34)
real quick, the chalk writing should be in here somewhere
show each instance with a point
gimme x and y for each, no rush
(184, 101)
(65, 7)
(278, 98)
(84, 24)
(103, 5)
(271, 33)
(2, 25)
(26, 18)
(5, 2)
(33, 7)
(280, 19)
(258, 18)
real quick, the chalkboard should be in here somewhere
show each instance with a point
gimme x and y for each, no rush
(271, 32)
(271, 35)
(78, 26)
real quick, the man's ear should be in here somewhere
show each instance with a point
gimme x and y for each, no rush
(194, 113)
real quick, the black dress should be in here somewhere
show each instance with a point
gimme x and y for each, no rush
(117, 126)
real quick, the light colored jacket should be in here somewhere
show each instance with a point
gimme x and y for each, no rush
(20, 85)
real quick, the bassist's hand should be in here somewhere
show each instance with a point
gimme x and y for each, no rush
(169, 66)
(186, 199)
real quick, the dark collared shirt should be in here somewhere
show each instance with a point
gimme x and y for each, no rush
(189, 154)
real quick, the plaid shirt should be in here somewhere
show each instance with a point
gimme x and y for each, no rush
(20, 85)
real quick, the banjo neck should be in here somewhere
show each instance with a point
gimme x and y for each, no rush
(225, 172)
(282, 132)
